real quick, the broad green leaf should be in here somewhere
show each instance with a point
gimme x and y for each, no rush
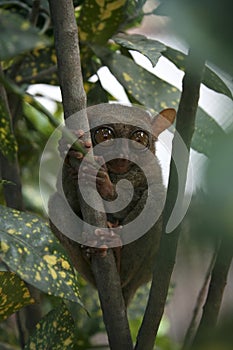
(100, 19)
(8, 145)
(37, 119)
(54, 331)
(145, 87)
(17, 36)
(29, 248)
(211, 79)
(10, 301)
(157, 94)
(152, 49)
(207, 131)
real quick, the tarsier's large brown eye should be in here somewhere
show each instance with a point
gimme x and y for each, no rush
(104, 134)
(141, 138)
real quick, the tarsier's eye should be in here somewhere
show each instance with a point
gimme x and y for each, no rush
(141, 138)
(104, 134)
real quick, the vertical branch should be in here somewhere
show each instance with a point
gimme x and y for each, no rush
(74, 100)
(165, 259)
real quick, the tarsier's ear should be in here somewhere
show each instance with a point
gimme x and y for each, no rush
(163, 120)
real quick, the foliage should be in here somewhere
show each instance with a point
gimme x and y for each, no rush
(7, 139)
(28, 248)
(55, 331)
(11, 301)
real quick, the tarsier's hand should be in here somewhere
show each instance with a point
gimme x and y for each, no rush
(88, 175)
(102, 180)
(66, 150)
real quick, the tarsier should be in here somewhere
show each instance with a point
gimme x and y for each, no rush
(135, 259)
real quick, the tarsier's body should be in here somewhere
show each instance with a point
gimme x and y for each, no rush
(136, 258)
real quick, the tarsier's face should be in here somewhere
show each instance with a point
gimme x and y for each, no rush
(120, 133)
(127, 139)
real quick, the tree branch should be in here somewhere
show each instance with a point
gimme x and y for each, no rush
(74, 100)
(165, 259)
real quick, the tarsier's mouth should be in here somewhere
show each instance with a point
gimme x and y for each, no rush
(119, 165)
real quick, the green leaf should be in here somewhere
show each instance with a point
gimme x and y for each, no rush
(8, 144)
(156, 94)
(150, 48)
(153, 50)
(54, 331)
(99, 20)
(30, 249)
(211, 79)
(17, 36)
(207, 131)
(145, 87)
(37, 119)
(10, 301)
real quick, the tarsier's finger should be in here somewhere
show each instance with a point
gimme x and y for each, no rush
(75, 154)
(65, 146)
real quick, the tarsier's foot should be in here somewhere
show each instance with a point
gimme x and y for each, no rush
(100, 242)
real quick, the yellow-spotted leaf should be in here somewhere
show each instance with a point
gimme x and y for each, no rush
(153, 49)
(28, 247)
(10, 301)
(37, 68)
(54, 331)
(8, 144)
(100, 19)
(145, 87)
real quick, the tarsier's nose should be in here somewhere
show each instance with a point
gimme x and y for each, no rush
(124, 148)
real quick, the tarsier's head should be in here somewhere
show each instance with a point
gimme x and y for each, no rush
(123, 132)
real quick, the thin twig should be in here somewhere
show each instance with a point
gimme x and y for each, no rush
(34, 14)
